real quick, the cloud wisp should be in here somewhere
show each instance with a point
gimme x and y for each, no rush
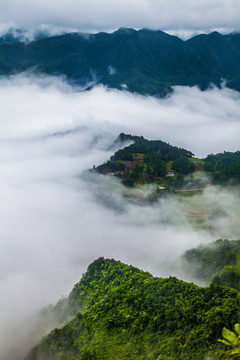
(55, 220)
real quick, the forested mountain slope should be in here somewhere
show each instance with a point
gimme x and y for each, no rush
(125, 313)
(144, 61)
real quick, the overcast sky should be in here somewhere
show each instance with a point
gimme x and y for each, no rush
(183, 16)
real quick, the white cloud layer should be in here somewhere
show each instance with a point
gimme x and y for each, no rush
(105, 15)
(55, 221)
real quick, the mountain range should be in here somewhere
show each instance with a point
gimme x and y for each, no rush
(144, 61)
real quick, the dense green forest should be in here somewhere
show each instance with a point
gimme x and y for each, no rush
(224, 167)
(123, 312)
(146, 62)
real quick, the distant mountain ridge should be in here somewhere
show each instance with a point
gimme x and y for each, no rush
(144, 61)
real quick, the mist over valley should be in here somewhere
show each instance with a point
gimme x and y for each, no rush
(57, 217)
(119, 180)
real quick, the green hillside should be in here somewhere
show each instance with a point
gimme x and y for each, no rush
(146, 161)
(147, 62)
(224, 167)
(125, 313)
(155, 161)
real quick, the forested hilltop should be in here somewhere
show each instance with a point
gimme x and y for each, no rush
(125, 313)
(154, 161)
(145, 161)
(146, 62)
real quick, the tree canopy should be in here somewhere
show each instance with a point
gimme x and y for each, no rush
(123, 312)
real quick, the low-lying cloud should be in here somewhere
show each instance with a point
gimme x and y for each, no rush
(56, 218)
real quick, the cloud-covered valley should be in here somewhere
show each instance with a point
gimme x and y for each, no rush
(56, 218)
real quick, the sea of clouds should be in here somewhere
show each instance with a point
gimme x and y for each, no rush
(56, 218)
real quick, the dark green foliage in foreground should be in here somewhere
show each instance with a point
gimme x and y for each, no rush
(146, 62)
(224, 167)
(128, 314)
(219, 259)
(232, 339)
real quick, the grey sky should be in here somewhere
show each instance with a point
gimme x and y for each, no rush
(183, 16)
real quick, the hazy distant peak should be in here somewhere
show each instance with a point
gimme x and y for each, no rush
(15, 35)
(125, 30)
(215, 34)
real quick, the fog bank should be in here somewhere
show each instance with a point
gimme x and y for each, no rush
(56, 219)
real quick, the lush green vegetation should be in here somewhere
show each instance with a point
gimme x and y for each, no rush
(144, 61)
(198, 163)
(147, 161)
(164, 151)
(217, 262)
(232, 339)
(224, 167)
(183, 165)
(123, 312)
